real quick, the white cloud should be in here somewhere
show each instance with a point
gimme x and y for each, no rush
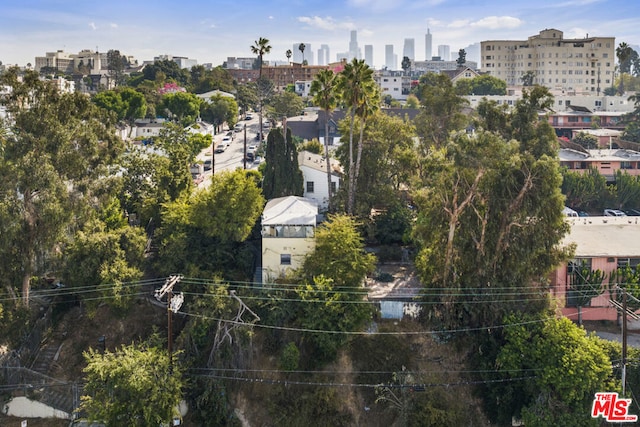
(93, 26)
(327, 23)
(497, 22)
(271, 17)
(113, 25)
(459, 23)
(376, 5)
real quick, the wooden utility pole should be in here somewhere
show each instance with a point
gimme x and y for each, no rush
(173, 305)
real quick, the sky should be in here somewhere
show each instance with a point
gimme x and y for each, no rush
(212, 30)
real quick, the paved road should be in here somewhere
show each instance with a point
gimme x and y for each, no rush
(232, 157)
(633, 338)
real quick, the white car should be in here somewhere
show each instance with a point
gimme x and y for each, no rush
(614, 212)
(226, 141)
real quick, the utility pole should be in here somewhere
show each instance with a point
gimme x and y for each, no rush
(173, 305)
(624, 341)
(244, 151)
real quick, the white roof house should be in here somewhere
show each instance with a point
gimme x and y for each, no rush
(288, 231)
(314, 173)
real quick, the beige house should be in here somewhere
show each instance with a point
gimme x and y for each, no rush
(575, 66)
(288, 234)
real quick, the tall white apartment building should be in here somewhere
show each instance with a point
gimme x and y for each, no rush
(409, 49)
(428, 42)
(323, 55)
(444, 52)
(368, 55)
(580, 66)
(389, 57)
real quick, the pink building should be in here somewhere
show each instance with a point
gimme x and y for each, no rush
(606, 161)
(602, 243)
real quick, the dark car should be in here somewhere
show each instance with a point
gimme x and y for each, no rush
(631, 212)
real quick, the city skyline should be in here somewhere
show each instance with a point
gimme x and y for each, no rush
(198, 31)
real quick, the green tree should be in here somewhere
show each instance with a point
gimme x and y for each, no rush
(441, 112)
(488, 85)
(586, 140)
(201, 232)
(57, 148)
(284, 104)
(247, 97)
(585, 284)
(462, 58)
(103, 262)
(481, 194)
(584, 190)
(182, 107)
(164, 70)
(261, 47)
(387, 165)
(301, 48)
(325, 95)
(528, 78)
(568, 368)
(333, 284)
(219, 110)
(359, 92)
(127, 103)
(623, 53)
(463, 87)
(406, 64)
(132, 386)
(627, 189)
(412, 102)
(282, 176)
(116, 64)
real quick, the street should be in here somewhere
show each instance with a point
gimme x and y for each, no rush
(232, 157)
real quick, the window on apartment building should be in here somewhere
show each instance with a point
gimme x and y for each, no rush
(334, 187)
(576, 264)
(309, 186)
(605, 55)
(598, 103)
(627, 165)
(629, 262)
(285, 259)
(573, 120)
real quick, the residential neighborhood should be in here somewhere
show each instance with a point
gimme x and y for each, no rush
(446, 241)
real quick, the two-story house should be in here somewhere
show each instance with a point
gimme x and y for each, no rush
(288, 234)
(314, 172)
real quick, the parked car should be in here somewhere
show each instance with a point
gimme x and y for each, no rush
(208, 164)
(614, 212)
(220, 148)
(248, 117)
(632, 212)
(257, 160)
(226, 140)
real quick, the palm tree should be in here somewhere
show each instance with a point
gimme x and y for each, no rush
(301, 48)
(623, 52)
(260, 47)
(288, 54)
(370, 104)
(324, 93)
(357, 88)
